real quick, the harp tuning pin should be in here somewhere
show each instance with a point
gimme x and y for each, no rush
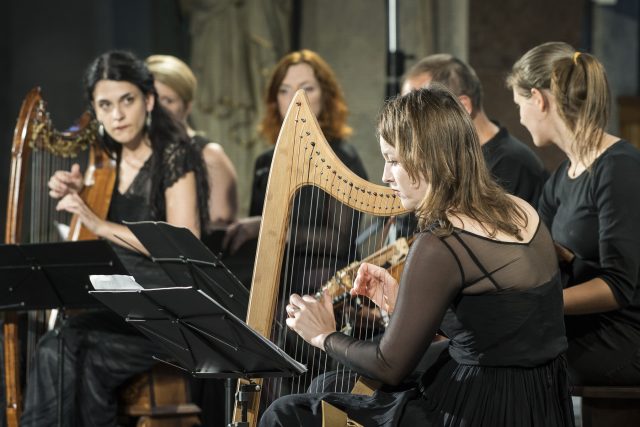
(298, 103)
(307, 132)
(303, 120)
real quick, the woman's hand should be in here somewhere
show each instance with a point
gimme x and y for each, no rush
(311, 318)
(377, 284)
(62, 183)
(74, 204)
(240, 232)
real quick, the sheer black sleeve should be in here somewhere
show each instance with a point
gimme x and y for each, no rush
(431, 280)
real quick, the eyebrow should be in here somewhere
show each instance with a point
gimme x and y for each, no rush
(119, 99)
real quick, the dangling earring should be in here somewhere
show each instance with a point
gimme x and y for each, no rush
(101, 129)
(148, 121)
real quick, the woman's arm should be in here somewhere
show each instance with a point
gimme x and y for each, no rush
(223, 196)
(430, 282)
(594, 296)
(182, 203)
(116, 233)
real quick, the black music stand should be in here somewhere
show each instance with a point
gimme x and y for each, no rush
(38, 276)
(188, 262)
(205, 338)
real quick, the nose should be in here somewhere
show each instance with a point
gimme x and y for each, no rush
(387, 177)
(117, 113)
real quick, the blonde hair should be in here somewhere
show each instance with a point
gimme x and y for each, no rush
(333, 113)
(435, 139)
(174, 73)
(578, 84)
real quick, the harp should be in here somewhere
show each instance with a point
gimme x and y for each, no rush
(304, 161)
(38, 150)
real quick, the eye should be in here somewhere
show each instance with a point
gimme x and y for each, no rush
(103, 105)
(129, 100)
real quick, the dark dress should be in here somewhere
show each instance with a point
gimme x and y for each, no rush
(101, 350)
(597, 217)
(500, 304)
(515, 166)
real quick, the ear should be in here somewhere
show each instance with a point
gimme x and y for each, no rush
(150, 102)
(539, 100)
(466, 103)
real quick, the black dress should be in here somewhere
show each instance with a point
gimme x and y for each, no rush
(515, 166)
(500, 304)
(597, 217)
(101, 350)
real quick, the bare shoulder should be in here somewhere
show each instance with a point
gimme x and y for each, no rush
(533, 220)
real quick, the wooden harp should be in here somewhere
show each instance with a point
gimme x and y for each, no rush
(302, 158)
(38, 150)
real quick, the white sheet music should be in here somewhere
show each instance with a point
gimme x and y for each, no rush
(114, 282)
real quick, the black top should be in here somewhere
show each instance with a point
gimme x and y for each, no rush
(597, 217)
(345, 152)
(515, 166)
(135, 205)
(500, 303)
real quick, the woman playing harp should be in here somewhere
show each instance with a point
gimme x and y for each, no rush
(482, 269)
(157, 175)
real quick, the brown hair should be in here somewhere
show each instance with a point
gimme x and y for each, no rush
(435, 138)
(578, 84)
(333, 114)
(452, 72)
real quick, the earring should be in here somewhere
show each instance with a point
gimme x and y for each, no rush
(148, 121)
(101, 130)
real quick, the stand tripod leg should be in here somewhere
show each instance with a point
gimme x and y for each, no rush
(229, 388)
(60, 402)
(246, 395)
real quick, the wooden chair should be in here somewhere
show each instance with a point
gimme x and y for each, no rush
(157, 398)
(609, 406)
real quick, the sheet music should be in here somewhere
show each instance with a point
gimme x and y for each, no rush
(114, 282)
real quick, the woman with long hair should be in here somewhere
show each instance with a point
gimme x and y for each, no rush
(482, 269)
(157, 170)
(564, 99)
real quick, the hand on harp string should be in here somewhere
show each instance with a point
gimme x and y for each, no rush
(311, 318)
(63, 182)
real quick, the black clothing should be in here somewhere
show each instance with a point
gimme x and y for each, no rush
(515, 166)
(597, 217)
(101, 350)
(501, 305)
(345, 152)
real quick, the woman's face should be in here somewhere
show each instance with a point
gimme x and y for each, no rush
(172, 102)
(533, 115)
(122, 108)
(299, 76)
(411, 193)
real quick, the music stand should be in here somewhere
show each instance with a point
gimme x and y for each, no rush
(36, 276)
(205, 338)
(188, 262)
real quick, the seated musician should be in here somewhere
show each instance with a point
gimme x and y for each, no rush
(482, 268)
(156, 180)
(564, 99)
(306, 70)
(176, 87)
